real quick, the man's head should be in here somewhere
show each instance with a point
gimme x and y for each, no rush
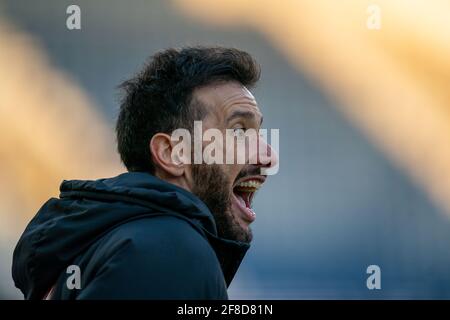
(176, 88)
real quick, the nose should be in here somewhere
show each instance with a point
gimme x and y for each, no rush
(267, 156)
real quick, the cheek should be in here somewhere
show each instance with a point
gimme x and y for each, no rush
(232, 171)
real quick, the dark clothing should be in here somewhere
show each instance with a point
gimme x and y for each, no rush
(133, 236)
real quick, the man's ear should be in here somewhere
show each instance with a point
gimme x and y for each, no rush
(161, 148)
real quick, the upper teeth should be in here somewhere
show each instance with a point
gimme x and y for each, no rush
(250, 184)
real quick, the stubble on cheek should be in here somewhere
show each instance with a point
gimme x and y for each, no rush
(213, 187)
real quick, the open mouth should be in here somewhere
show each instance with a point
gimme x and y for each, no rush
(243, 194)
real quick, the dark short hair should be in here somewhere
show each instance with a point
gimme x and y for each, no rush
(159, 97)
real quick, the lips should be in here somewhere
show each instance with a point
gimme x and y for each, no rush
(243, 193)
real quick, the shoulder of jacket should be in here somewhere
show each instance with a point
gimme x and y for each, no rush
(159, 236)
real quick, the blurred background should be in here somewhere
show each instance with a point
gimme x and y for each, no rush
(363, 113)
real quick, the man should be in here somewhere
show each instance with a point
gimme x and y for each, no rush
(168, 228)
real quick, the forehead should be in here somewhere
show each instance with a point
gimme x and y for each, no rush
(224, 97)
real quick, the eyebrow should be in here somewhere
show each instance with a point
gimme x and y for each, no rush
(243, 114)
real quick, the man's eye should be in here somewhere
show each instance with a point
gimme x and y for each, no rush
(239, 131)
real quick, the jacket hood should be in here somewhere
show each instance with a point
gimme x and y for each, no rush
(86, 210)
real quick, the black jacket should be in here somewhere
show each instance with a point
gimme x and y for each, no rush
(133, 236)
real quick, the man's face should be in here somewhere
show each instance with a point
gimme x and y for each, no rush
(228, 189)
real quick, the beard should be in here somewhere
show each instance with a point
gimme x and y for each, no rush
(213, 187)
